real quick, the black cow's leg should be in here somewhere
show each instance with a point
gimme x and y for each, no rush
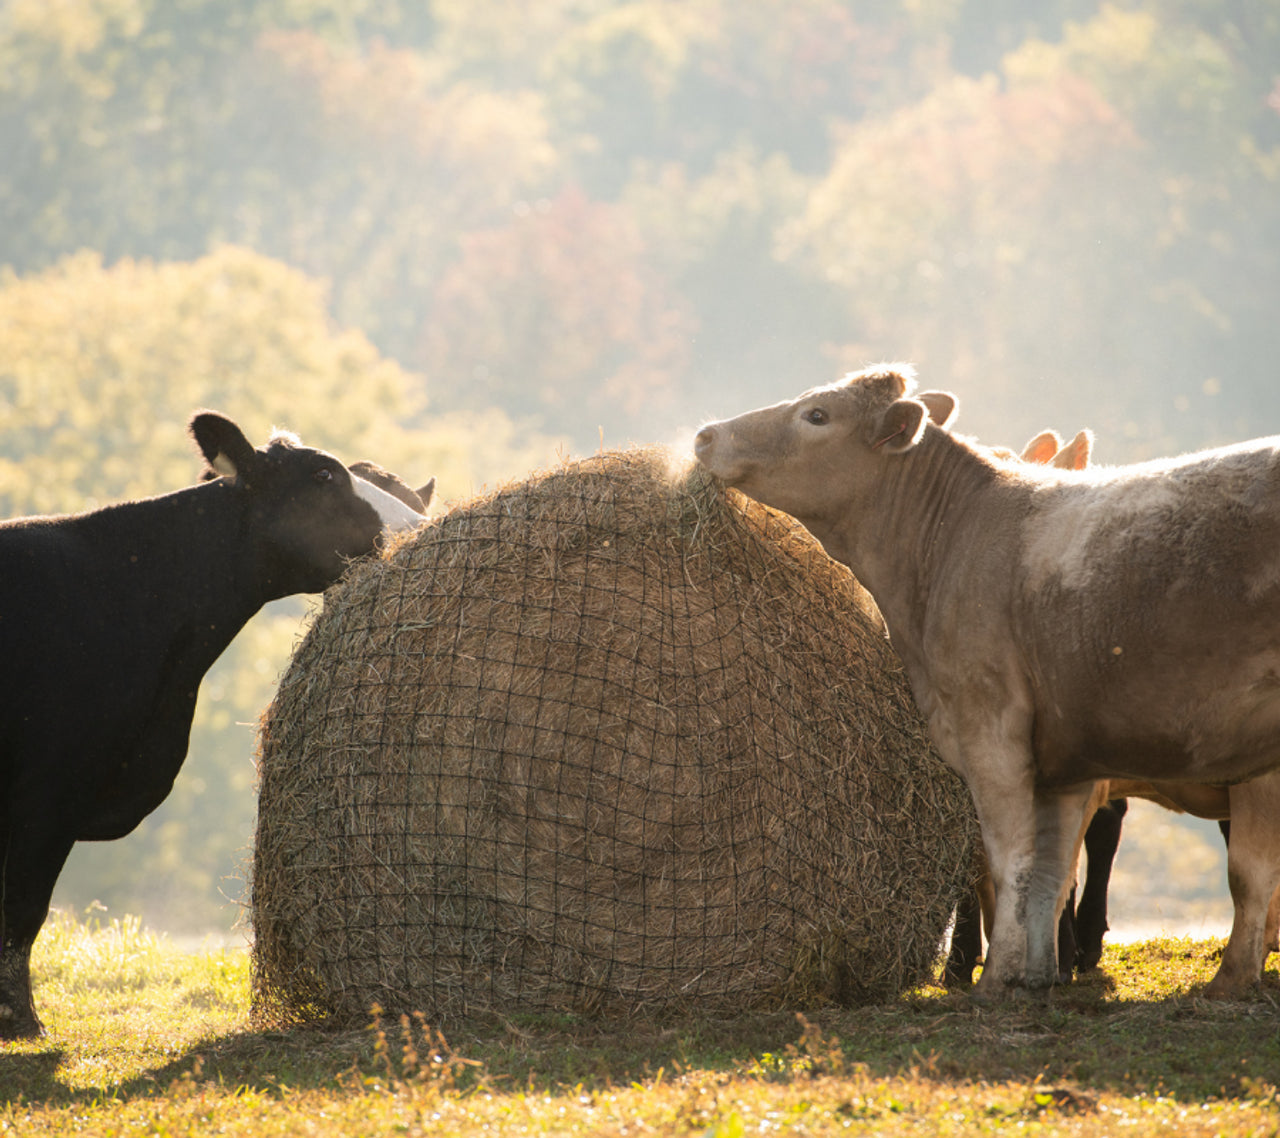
(31, 864)
(1101, 840)
(975, 915)
(1067, 938)
(18, 1019)
(966, 942)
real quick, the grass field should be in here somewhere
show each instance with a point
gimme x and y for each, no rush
(147, 1040)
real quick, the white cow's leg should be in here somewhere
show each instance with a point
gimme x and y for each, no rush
(993, 756)
(1253, 872)
(1005, 812)
(1031, 841)
(1061, 819)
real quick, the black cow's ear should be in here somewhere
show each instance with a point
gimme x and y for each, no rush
(900, 427)
(223, 445)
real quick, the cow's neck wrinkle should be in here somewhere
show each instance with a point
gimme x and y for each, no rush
(921, 507)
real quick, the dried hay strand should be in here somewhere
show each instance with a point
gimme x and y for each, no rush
(602, 741)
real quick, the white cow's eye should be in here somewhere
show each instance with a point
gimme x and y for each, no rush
(815, 415)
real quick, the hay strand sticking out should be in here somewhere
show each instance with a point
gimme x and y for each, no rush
(601, 741)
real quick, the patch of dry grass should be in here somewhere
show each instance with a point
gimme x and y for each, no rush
(148, 1040)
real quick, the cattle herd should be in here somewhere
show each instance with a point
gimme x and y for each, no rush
(1073, 635)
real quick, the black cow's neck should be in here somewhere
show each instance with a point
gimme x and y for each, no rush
(180, 562)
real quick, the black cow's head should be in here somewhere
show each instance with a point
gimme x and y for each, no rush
(307, 513)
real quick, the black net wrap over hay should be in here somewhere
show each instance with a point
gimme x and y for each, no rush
(607, 740)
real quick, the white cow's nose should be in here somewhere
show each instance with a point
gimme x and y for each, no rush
(703, 440)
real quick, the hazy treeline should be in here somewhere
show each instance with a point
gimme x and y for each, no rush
(620, 214)
(448, 235)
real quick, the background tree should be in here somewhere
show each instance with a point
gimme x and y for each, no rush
(562, 292)
(1039, 232)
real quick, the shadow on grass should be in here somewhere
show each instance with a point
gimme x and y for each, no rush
(27, 1070)
(1083, 1037)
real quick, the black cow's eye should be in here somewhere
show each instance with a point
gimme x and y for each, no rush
(324, 474)
(815, 415)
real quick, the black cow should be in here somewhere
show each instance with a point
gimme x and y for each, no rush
(109, 621)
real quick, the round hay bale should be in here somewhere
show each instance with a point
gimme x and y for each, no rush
(602, 741)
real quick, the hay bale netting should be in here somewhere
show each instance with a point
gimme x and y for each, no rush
(602, 741)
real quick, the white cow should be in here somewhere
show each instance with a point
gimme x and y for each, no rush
(1059, 628)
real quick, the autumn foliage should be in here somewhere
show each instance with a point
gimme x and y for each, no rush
(458, 235)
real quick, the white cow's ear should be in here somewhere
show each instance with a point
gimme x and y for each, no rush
(901, 426)
(1042, 449)
(942, 406)
(1075, 455)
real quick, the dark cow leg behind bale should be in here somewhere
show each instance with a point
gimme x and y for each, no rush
(1067, 939)
(1101, 840)
(966, 942)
